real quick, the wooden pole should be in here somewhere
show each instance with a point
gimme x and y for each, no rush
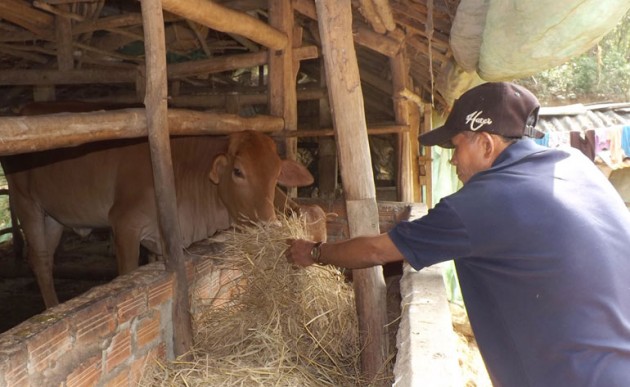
(221, 18)
(25, 134)
(164, 179)
(282, 77)
(400, 73)
(344, 87)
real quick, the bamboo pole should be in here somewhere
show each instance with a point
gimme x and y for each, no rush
(344, 87)
(164, 179)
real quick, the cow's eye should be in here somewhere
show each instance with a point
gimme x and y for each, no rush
(237, 173)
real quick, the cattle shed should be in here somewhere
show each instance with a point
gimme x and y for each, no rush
(344, 86)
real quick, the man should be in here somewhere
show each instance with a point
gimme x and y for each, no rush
(541, 243)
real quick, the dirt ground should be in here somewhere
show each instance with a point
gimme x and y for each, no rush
(78, 268)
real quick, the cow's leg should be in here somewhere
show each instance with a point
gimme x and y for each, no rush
(42, 237)
(126, 232)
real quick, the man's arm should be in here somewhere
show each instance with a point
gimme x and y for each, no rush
(355, 253)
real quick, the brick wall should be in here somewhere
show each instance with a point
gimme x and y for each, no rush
(103, 337)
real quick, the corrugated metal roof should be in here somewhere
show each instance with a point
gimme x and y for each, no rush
(581, 117)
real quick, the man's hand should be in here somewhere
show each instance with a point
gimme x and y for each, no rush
(299, 252)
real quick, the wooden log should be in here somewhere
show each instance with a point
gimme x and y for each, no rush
(94, 76)
(35, 133)
(71, 77)
(344, 86)
(163, 176)
(21, 13)
(330, 132)
(384, 12)
(366, 7)
(400, 73)
(233, 62)
(63, 34)
(328, 166)
(226, 20)
(282, 77)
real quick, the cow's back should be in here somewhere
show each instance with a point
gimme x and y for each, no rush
(77, 186)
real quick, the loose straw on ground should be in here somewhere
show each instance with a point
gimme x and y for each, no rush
(282, 326)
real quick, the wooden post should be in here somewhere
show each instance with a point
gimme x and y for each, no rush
(327, 162)
(282, 77)
(400, 74)
(164, 180)
(344, 87)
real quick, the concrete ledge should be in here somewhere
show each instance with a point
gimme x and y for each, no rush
(427, 354)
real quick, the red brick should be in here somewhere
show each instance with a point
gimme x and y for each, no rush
(87, 374)
(147, 330)
(119, 350)
(48, 346)
(93, 322)
(161, 291)
(13, 366)
(204, 267)
(120, 380)
(131, 306)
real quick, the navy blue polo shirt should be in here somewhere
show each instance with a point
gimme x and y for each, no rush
(541, 243)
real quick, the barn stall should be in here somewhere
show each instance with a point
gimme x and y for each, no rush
(368, 73)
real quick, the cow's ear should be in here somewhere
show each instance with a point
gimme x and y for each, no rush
(294, 174)
(218, 166)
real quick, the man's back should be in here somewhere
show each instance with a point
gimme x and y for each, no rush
(547, 281)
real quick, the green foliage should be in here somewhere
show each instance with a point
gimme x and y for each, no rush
(600, 74)
(5, 214)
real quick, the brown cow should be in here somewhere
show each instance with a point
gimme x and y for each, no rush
(110, 184)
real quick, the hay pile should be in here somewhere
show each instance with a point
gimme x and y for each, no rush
(284, 327)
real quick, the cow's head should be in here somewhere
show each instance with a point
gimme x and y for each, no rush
(248, 173)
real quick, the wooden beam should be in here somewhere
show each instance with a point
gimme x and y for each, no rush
(94, 76)
(366, 7)
(377, 42)
(163, 176)
(384, 12)
(233, 62)
(344, 87)
(24, 134)
(21, 13)
(227, 20)
(71, 77)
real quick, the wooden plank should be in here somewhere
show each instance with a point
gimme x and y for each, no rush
(344, 87)
(226, 20)
(163, 176)
(377, 42)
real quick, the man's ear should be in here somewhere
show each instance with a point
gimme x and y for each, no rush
(487, 144)
(218, 166)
